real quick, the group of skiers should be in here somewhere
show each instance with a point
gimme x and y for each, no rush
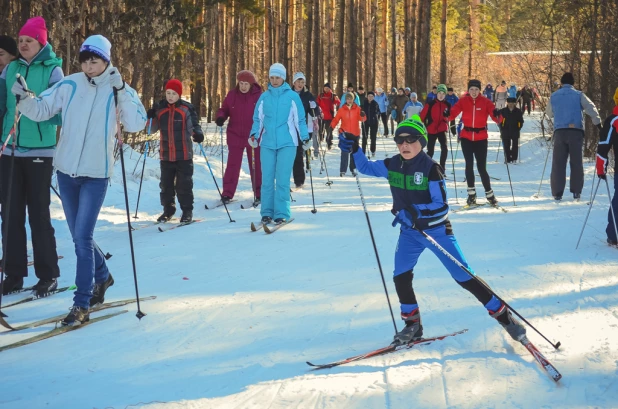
(524, 97)
(278, 127)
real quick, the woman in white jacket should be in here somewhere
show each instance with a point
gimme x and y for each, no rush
(84, 155)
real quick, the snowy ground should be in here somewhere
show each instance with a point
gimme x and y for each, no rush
(237, 313)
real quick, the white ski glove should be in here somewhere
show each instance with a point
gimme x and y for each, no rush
(115, 79)
(307, 144)
(253, 142)
(20, 88)
(312, 104)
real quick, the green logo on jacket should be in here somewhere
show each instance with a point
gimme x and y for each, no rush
(418, 181)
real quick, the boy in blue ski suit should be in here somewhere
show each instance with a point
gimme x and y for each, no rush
(279, 123)
(420, 203)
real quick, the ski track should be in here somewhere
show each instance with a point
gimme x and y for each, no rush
(238, 314)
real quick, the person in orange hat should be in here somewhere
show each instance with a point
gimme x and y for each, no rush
(178, 123)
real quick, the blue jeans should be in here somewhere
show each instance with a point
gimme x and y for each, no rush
(277, 167)
(82, 198)
(611, 230)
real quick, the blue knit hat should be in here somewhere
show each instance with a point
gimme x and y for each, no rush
(99, 45)
(277, 70)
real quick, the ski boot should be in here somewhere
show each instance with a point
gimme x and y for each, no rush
(12, 284)
(515, 329)
(266, 219)
(168, 212)
(412, 331)
(98, 293)
(280, 220)
(187, 216)
(491, 198)
(577, 196)
(257, 202)
(77, 316)
(44, 287)
(612, 243)
(226, 199)
(471, 201)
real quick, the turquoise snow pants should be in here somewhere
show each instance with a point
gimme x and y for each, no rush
(276, 172)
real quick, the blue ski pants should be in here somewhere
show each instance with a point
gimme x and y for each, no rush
(277, 167)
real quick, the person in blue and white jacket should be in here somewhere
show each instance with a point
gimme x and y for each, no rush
(279, 125)
(420, 204)
(412, 107)
(383, 103)
(84, 155)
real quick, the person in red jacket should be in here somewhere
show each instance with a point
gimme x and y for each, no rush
(328, 102)
(475, 109)
(238, 106)
(349, 116)
(433, 118)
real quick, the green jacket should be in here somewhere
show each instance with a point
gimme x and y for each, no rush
(30, 134)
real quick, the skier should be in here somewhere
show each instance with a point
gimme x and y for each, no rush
(370, 127)
(432, 95)
(279, 122)
(356, 98)
(311, 109)
(512, 91)
(382, 100)
(84, 160)
(412, 107)
(488, 92)
(608, 140)
(566, 106)
(420, 203)
(349, 116)
(474, 109)
(526, 97)
(33, 158)
(500, 95)
(433, 118)
(328, 102)
(178, 123)
(238, 106)
(8, 53)
(361, 96)
(452, 99)
(511, 121)
(392, 108)
(399, 102)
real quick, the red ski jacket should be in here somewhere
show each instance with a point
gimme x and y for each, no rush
(328, 103)
(474, 116)
(433, 116)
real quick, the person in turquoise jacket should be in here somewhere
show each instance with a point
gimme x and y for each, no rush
(279, 125)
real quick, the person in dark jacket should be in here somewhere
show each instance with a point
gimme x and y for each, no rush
(311, 109)
(511, 121)
(488, 92)
(420, 206)
(178, 123)
(370, 127)
(608, 139)
(361, 96)
(392, 107)
(328, 103)
(399, 102)
(526, 96)
(452, 99)
(432, 95)
(432, 116)
(238, 106)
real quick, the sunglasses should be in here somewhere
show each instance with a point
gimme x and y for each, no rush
(399, 140)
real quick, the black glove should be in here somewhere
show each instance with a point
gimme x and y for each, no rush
(220, 121)
(496, 112)
(447, 112)
(600, 127)
(152, 113)
(198, 137)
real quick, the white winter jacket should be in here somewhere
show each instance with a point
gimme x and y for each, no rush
(86, 144)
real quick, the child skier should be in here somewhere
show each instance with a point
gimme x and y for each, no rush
(420, 203)
(85, 155)
(349, 115)
(178, 122)
(608, 139)
(436, 124)
(511, 121)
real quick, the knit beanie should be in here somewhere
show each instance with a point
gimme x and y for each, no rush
(175, 85)
(474, 83)
(246, 76)
(442, 88)
(327, 85)
(450, 89)
(567, 78)
(99, 45)
(9, 45)
(350, 85)
(413, 95)
(413, 126)
(350, 95)
(35, 28)
(393, 89)
(298, 76)
(616, 96)
(371, 93)
(277, 70)
(511, 99)
(380, 90)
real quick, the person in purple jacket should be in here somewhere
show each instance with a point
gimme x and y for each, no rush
(238, 106)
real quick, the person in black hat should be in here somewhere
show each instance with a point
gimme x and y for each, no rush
(350, 90)
(8, 51)
(512, 119)
(565, 107)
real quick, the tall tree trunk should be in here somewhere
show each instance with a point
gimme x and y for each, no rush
(394, 40)
(316, 67)
(413, 48)
(309, 73)
(374, 45)
(351, 48)
(443, 44)
(340, 52)
(407, 38)
(384, 46)
(471, 19)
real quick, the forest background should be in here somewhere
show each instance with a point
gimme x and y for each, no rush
(374, 43)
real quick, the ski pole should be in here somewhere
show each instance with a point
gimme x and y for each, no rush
(253, 175)
(498, 151)
(11, 133)
(611, 207)
(323, 154)
(588, 214)
(384, 144)
(483, 283)
(139, 313)
(141, 179)
(593, 175)
(375, 248)
(544, 167)
(215, 180)
(291, 198)
(222, 165)
(5, 233)
(450, 140)
(106, 255)
(510, 183)
(314, 211)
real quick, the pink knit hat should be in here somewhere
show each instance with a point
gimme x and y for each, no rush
(246, 76)
(35, 28)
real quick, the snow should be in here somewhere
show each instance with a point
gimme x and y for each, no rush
(237, 313)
